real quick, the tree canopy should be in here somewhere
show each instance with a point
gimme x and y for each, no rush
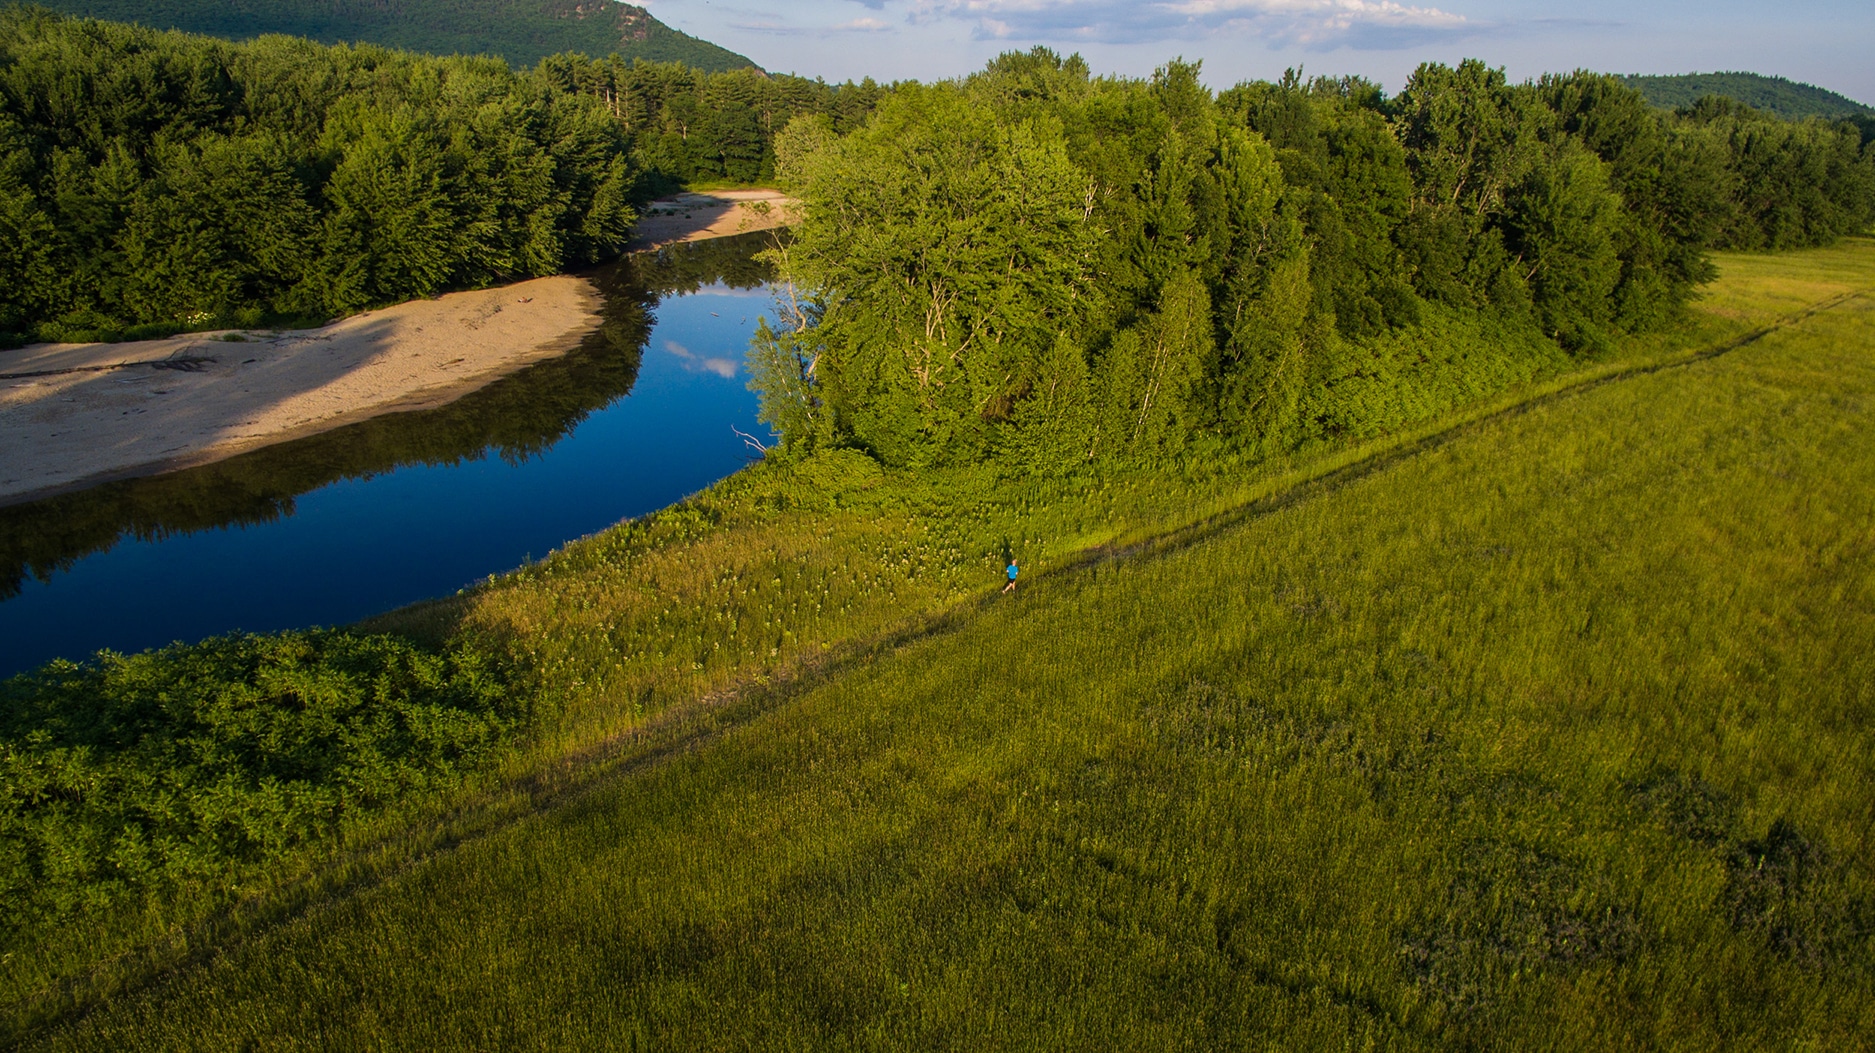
(156, 181)
(686, 125)
(1037, 264)
(161, 179)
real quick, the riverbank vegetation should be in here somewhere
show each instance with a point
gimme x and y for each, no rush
(1051, 269)
(1437, 739)
(689, 127)
(513, 418)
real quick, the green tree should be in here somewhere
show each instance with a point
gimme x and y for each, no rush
(945, 250)
(1563, 222)
(1471, 138)
(221, 224)
(26, 237)
(1351, 190)
(389, 233)
(186, 180)
(1672, 191)
(1174, 346)
(1053, 428)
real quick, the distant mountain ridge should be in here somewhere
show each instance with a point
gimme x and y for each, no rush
(521, 31)
(1789, 99)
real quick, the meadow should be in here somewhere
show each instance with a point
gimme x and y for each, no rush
(1541, 725)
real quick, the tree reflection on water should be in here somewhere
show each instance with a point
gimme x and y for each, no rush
(515, 418)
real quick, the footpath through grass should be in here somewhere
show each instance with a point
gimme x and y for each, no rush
(1550, 729)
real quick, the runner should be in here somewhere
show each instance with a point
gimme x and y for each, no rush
(1011, 587)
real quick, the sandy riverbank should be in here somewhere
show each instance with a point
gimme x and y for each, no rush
(716, 214)
(72, 415)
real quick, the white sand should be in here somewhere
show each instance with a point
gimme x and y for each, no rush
(63, 431)
(693, 217)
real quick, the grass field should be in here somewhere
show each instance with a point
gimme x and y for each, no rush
(1544, 728)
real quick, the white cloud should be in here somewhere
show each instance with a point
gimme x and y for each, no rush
(771, 23)
(1308, 23)
(1820, 41)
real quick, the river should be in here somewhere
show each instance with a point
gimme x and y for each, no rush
(336, 527)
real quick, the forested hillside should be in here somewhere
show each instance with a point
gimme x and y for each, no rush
(1041, 267)
(521, 31)
(1774, 95)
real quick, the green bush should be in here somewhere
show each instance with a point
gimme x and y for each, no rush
(135, 773)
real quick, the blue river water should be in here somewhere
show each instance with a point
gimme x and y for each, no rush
(379, 530)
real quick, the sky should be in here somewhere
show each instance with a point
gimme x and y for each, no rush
(1826, 42)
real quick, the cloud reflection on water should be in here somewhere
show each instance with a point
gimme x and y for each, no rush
(695, 363)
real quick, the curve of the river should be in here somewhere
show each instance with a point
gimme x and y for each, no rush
(340, 526)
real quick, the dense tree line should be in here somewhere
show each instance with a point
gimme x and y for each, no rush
(1295, 242)
(151, 182)
(687, 125)
(1783, 184)
(168, 180)
(1043, 265)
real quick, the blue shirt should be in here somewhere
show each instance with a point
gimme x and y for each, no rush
(1012, 572)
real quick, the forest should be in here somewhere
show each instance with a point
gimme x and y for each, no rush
(689, 126)
(154, 182)
(163, 180)
(521, 31)
(1040, 266)
(1777, 96)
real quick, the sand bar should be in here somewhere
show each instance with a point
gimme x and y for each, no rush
(716, 214)
(73, 415)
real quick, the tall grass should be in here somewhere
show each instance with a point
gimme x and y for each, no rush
(1534, 728)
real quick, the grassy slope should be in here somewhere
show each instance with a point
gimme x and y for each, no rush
(1786, 98)
(521, 31)
(1485, 741)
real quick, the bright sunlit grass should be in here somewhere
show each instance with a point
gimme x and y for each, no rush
(1551, 732)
